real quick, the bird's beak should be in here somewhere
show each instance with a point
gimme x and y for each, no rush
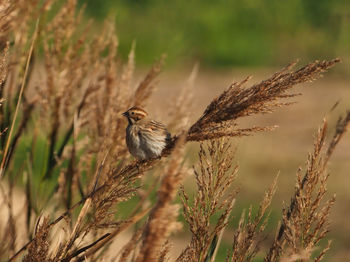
(125, 114)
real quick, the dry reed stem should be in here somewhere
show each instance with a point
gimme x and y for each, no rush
(10, 231)
(75, 233)
(146, 88)
(341, 127)
(181, 108)
(83, 249)
(221, 233)
(128, 72)
(4, 65)
(130, 246)
(246, 240)
(4, 156)
(131, 221)
(324, 251)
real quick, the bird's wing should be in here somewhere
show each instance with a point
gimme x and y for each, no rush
(156, 129)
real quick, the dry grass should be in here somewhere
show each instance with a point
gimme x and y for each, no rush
(214, 181)
(73, 114)
(306, 220)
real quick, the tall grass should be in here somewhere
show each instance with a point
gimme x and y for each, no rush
(65, 153)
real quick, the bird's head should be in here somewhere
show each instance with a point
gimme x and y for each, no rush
(135, 114)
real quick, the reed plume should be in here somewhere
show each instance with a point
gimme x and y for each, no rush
(306, 221)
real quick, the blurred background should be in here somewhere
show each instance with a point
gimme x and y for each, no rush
(228, 33)
(231, 40)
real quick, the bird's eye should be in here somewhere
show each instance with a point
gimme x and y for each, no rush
(132, 113)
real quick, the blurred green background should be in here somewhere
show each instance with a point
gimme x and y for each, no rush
(225, 33)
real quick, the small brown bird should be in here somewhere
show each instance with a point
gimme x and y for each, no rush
(145, 138)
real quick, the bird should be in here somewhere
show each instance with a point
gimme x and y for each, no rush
(145, 138)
